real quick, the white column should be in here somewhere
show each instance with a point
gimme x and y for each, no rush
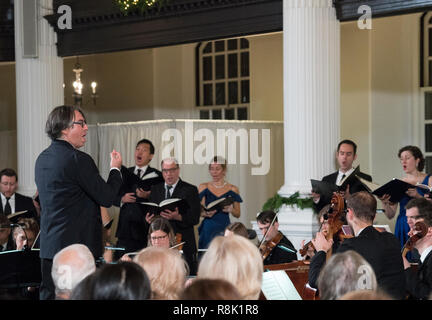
(311, 57)
(311, 44)
(38, 88)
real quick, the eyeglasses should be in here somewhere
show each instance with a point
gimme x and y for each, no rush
(169, 170)
(82, 123)
(158, 238)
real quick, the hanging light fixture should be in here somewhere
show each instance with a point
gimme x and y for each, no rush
(78, 86)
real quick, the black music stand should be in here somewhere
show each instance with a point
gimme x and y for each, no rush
(20, 269)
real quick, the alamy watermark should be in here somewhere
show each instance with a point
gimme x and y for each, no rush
(365, 20)
(253, 146)
(65, 277)
(365, 279)
(65, 20)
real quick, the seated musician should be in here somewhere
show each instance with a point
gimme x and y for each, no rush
(345, 155)
(309, 251)
(419, 284)
(380, 249)
(283, 251)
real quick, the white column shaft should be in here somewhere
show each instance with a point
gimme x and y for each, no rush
(311, 44)
(38, 88)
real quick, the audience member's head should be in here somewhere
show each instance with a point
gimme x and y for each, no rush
(160, 233)
(236, 228)
(25, 233)
(121, 281)
(365, 295)
(70, 265)
(236, 260)
(343, 273)
(166, 269)
(210, 289)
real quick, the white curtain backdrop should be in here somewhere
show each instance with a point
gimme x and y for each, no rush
(254, 189)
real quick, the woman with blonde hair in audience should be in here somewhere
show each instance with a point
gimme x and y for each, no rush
(236, 260)
(166, 269)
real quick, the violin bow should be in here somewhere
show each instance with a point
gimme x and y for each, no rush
(271, 224)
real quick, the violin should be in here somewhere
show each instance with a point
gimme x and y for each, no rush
(179, 243)
(420, 230)
(267, 246)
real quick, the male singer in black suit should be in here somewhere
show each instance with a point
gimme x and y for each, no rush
(182, 221)
(380, 249)
(345, 155)
(132, 228)
(419, 283)
(71, 191)
(12, 201)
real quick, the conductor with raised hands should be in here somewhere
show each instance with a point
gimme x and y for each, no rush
(71, 191)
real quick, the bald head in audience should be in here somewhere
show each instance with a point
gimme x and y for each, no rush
(71, 265)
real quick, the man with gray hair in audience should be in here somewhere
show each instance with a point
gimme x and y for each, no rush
(71, 265)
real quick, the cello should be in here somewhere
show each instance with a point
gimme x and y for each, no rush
(334, 217)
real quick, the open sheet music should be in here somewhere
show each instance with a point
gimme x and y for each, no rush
(276, 285)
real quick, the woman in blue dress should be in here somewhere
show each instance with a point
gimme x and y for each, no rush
(412, 162)
(215, 221)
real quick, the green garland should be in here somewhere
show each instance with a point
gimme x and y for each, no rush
(277, 201)
(127, 6)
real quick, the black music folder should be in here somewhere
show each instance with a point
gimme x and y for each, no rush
(20, 269)
(144, 183)
(324, 188)
(396, 188)
(218, 204)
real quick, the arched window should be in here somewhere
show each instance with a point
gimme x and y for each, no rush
(426, 84)
(223, 79)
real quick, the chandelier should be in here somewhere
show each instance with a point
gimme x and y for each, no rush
(78, 86)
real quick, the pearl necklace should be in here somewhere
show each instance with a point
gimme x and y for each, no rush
(218, 187)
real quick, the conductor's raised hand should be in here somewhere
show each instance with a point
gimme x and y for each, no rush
(116, 159)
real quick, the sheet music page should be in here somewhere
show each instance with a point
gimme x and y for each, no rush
(276, 285)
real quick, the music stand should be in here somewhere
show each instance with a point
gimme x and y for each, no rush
(20, 269)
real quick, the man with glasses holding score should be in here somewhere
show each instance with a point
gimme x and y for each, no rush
(71, 191)
(182, 220)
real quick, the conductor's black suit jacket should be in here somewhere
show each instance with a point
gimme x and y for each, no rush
(71, 192)
(188, 192)
(381, 250)
(331, 178)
